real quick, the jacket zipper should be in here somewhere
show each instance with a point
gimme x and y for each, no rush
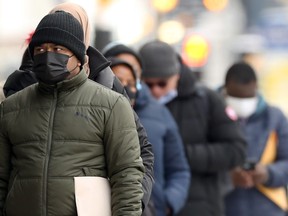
(48, 151)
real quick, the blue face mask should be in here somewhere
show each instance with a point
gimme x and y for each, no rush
(168, 97)
(51, 67)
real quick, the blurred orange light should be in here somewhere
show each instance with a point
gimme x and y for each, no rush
(215, 5)
(195, 50)
(105, 2)
(164, 5)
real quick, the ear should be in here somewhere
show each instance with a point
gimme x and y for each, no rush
(86, 59)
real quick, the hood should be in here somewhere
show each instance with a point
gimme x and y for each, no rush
(97, 62)
(187, 81)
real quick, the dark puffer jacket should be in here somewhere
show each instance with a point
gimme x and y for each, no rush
(213, 143)
(50, 135)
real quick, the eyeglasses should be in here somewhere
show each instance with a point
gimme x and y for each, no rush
(161, 84)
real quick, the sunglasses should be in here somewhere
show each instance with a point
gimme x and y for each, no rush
(161, 84)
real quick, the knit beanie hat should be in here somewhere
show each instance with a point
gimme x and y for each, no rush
(159, 60)
(60, 28)
(113, 49)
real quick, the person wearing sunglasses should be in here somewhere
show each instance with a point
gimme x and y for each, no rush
(213, 142)
(171, 169)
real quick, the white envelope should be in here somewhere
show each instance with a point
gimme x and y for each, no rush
(93, 196)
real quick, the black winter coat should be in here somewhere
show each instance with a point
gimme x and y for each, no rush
(213, 143)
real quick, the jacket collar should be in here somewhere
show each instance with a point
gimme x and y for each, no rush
(261, 106)
(66, 85)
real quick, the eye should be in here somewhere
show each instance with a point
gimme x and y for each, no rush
(38, 50)
(58, 49)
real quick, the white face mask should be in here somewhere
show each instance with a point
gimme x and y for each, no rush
(244, 107)
(168, 97)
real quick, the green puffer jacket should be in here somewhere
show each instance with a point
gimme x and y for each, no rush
(50, 135)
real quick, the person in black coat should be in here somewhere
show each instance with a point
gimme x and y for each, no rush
(214, 144)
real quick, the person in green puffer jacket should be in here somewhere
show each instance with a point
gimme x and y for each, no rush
(65, 126)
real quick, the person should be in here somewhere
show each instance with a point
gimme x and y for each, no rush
(21, 78)
(172, 174)
(65, 126)
(214, 143)
(260, 182)
(98, 70)
(119, 50)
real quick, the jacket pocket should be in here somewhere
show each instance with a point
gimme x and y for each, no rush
(94, 172)
(12, 180)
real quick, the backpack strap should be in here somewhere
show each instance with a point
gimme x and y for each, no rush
(276, 195)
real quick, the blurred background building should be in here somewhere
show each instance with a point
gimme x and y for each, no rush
(209, 34)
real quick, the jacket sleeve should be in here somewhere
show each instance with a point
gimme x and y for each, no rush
(177, 171)
(225, 147)
(146, 149)
(148, 161)
(278, 171)
(4, 164)
(124, 164)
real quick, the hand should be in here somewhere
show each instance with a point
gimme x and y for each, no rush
(169, 211)
(260, 174)
(242, 178)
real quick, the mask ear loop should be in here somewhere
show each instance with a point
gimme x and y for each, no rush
(138, 84)
(75, 66)
(85, 65)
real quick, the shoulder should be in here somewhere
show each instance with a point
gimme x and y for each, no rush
(276, 113)
(20, 99)
(211, 98)
(100, 95)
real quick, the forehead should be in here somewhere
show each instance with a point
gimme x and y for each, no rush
(123, 71)
(241, 90)
(50, 44)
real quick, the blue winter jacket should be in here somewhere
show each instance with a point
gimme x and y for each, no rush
(171, 169)
(257, 128)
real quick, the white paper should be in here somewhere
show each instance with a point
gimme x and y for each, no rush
(93, 196)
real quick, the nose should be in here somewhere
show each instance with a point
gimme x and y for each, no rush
(49, 47)
(156, 91)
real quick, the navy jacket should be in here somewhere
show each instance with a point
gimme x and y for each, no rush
(171, 170)
(257, 129)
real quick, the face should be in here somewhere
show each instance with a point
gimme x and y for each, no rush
(240, 90)
(161, 86)
(242, 98)
(73, 64)
(125, 75)
(132, 61)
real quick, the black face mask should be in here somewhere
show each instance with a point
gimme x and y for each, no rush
(51, 67)
(130, 94)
